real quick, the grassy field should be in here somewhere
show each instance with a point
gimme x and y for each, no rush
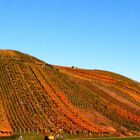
(35, 138)
(109, 138)
(40, 137)
(25, 137)
(114, 139)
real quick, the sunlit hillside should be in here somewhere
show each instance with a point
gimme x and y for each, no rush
(38, 97)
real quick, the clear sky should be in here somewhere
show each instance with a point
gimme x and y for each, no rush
(96, 34)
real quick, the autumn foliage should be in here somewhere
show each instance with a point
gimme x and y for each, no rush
(39, 97)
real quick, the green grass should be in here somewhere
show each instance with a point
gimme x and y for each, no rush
(9, 138)
(31, 136)
(34, 136)
(110, 138)
(126, 139)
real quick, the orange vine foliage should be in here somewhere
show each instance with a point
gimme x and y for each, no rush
(5, 128)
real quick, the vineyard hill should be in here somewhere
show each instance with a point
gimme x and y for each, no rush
(38, 97)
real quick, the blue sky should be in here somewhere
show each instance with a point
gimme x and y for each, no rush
(96, 34)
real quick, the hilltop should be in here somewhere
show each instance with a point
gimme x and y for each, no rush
(38, 97)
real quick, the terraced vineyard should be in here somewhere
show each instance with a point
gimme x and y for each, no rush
(43, 98)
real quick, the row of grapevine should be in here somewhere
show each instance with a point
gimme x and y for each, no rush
(5, 128)
(113, 102)
(100, 98)
(63, 103)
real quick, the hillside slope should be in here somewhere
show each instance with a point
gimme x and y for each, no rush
(36, 96)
